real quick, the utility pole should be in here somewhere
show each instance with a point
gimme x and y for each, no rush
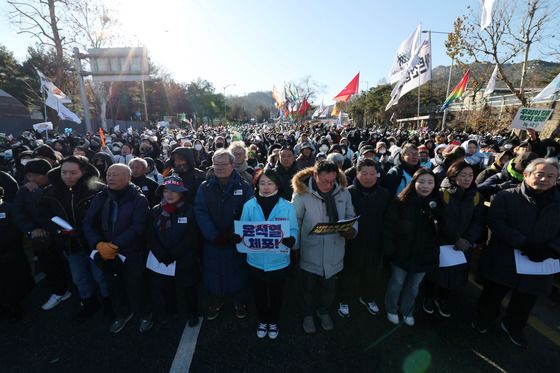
(83, 96)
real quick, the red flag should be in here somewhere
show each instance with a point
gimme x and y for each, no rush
(304, 106)
(349, 90)
(102, 137)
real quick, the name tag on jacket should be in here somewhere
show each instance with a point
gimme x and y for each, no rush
(182, 220)
(238, 192)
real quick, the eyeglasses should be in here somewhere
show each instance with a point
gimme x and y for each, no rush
(221, 165)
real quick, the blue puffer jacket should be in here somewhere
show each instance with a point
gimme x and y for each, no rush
(129, 228)
(283, 210)
(215, 210)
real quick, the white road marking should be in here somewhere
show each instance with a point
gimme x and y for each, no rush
(185, 351)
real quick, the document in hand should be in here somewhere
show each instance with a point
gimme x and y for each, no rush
(62, 223)
(153, 264)
(449, 257)
(525, 266)
(339, 226)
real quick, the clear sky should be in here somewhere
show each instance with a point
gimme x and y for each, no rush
(255, 43)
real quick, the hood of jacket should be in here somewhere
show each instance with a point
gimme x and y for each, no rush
(185, 153)
(89, 178)
(300, 181)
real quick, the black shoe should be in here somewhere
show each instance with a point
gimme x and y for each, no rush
(89, 307)
(428, 306)
(479, 327)
(213, 313)
(516, 336)
(443, 308)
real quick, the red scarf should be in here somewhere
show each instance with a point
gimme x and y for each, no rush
(168, 209)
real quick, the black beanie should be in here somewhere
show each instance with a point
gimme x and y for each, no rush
(37, 166)
(45, 151)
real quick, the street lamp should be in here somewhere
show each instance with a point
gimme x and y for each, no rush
(227, 86)
(430, 32)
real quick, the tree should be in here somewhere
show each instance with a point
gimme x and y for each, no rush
(516, 31)
(40, 19)
(13, 79)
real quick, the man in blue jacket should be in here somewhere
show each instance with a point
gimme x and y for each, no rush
(115, 226)
(219, 201)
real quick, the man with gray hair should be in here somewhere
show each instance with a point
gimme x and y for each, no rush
(219, 201)
(115, 226)
(138, 168)
(525, 226)
(239, 151)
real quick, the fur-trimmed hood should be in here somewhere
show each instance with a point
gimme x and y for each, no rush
(300, 181)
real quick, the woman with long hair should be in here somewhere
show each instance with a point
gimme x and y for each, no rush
(411, 244)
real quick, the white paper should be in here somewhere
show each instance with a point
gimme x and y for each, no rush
(93, 252)
(62, 223)
(525, 266)
(153, 264)
(449, 257)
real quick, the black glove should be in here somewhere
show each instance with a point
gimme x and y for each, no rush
(539, 253)
(222, 239)
(348, 234)
(234, 238)
(289, 241)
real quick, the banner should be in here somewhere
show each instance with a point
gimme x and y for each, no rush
(262, 236)
(339, 226)
(405, 52)
(63, 112)
(534, 118)
(421, 72)
(49, 87)
(42, 127)
(486, 16)
(457, 92)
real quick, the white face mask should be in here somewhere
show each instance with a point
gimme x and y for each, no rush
(324, 148)
(198, 147)
(382, 151)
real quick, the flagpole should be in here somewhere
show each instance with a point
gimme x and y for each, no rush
(418, 108)
(447, 94)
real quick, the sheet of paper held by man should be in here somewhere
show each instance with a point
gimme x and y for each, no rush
(525, 266)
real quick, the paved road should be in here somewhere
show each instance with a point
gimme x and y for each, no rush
(51, 342)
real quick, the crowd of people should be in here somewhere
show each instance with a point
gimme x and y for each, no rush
(99, 216)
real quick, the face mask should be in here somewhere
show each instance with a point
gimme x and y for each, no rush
(198, 147)
(219, 145)
(324, 148)
(382, 151)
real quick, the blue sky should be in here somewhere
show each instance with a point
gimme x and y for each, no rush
(254, 44)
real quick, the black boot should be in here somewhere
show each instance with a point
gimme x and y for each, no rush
(89, 308)
(108, 312)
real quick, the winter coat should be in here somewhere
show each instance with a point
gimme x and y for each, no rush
(411, 235)
(10, 186)
(129, 226)
(500, 181)
(303, 162)
(193, 177)
(286, 180)
(366, 249)
(216, 208)
(283, 210)
(398, 178)
(246, 172)
(181, 242)
(148, 188)
(25, 212)
(69, 204)
(487, 172)
(515, 219)
(321, 254)
(463, 216)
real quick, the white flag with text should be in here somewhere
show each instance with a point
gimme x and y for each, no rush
(403, 56)
(492, 82)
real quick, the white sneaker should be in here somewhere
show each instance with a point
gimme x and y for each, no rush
(393, 318)
(371, 307)
(408, 320)
(55, 299)
(343, 310)
(273, 331)
(262, 330)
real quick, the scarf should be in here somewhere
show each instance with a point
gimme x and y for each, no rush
(513, 172)
(168, 209)
(330, 203)
(267, 203)
(364, 190)
(110, 209)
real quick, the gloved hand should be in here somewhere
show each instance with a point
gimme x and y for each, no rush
(539, 253)
(107, 250)
(163, 256)
(462, 245)
(234, 238)
(222, 239)
(289, 241)
(348, 234)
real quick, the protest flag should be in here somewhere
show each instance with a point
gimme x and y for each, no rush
(404, 54)
(486, 16)
(492, 82)
(550, 90)
(350, 89)
(457, 91)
